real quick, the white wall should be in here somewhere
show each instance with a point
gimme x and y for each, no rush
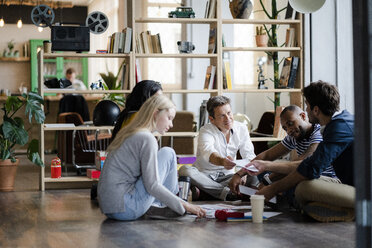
(328, 33)
(14, 74)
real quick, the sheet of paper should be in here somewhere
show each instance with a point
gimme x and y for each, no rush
(211, 208)
(251, 168)
(240, 163)
(266, 214)
(249, 191)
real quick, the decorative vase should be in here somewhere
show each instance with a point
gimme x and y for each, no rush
(241, 9)
(8, 172)
(261, 40)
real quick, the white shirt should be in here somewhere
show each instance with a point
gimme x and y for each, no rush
(211, 140)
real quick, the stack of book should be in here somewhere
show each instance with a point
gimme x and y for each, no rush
(148, 43)
(120, 42)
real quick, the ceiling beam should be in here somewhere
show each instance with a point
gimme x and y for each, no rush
(50, 3)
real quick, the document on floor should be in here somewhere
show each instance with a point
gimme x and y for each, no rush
(248, 216)
(211, 208)
(249, 191)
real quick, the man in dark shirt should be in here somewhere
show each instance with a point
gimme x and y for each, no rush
(322, 199)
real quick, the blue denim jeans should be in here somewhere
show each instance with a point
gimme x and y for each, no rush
(137, 203)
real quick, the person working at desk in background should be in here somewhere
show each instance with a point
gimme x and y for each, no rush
(144, 179)
(302, 136)
(218, 145)
(75, 83)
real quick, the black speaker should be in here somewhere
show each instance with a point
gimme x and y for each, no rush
(70, 38)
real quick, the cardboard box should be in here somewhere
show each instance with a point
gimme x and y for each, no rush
(100, 159)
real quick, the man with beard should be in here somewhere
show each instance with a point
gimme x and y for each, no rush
(218, 144)
(302, 136)
(322, 199)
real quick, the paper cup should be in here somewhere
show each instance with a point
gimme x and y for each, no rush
(257, 203)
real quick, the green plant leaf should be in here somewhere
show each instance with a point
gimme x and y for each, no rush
(14, 133)
(35, 97)
(33, 153)
(33, 109)
(12, 104)
(19, 122)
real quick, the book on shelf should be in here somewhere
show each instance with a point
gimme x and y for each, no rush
(138, 71)
(209, 77)
(290, 12)
(293, 72)
(227, 84)
(212, 9)
(127, 42)
(116, 41)
(139, 44)
(286, 70)
(206, 10)
(278, 130)
(144, 41)
(289, 72)
(290, 37)
(125, 77)
(212, 40)
(156, 44)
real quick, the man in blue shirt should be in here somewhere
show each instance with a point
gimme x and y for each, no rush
(322, 199)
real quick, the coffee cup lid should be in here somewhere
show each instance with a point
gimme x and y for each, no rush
(184, 179)
(257, 197)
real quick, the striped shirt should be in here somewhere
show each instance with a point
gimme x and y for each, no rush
(301, 146)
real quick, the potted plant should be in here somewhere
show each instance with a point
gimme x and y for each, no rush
(273, 41)
(112, 82)
(13, 133)
(261, 37)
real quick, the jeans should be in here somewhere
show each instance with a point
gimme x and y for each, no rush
(137, 203)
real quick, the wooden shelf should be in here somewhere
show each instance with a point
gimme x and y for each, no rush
(15, 59)
(175, 55)
(68, 179)
(82, 127)
(176, 20)
(88, 97)
(262, 91)
(261, 49)
(258, 21)
(72, 91)
(189, 91)
(86, 55)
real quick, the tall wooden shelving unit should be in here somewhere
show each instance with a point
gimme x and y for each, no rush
(215, 59)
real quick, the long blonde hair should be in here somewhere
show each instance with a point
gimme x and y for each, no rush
(144, 119)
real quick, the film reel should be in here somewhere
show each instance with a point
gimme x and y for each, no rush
(42, 16)
(97, 22)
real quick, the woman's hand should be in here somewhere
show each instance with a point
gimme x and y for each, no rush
(194, 209)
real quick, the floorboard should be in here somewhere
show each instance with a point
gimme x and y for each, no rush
(68, 218)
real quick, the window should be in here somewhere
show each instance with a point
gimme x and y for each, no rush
(167, 71)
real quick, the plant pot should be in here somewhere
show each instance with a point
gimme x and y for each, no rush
(261, 40)
(8, 172)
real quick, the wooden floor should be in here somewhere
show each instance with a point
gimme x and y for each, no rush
(68, 218)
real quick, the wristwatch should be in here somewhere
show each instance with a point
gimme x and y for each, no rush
(266, 179)
(236, 173)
